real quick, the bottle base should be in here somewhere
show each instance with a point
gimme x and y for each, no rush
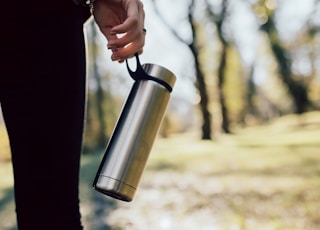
(114, 188)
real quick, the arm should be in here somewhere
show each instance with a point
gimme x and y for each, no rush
(121, 17)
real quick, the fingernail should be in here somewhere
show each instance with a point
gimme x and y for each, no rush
(114, 58)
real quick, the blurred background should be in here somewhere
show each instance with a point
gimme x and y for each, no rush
(239, 145)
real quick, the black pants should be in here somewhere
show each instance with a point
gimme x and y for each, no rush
(42, 96)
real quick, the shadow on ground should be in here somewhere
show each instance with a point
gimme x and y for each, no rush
(7, 217)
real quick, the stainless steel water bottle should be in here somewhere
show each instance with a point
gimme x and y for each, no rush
(131, 141)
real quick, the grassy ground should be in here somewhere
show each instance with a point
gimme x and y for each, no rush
(258, 178)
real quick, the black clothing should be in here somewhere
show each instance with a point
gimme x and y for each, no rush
(42, 96)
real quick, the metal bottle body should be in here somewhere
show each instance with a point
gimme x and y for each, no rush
(134, 134)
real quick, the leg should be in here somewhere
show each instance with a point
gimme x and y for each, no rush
(44, 117)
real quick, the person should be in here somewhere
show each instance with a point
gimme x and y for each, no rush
(42, 96)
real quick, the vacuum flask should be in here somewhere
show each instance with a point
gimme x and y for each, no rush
(131, 141)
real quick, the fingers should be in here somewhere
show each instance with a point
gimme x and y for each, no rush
(132, 33)
(135, 17)
(126, 50)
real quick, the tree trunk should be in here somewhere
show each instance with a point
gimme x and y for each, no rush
(201, 85)
(202, 88)
(218, 20)
(221, 77)
(200, 80)
(298, 91)
(99, 96)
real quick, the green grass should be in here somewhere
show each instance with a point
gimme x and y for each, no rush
(263, 177)
(258, 178)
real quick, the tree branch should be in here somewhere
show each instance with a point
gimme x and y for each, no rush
(172, 30)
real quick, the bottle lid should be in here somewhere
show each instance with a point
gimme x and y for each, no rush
(160, 72)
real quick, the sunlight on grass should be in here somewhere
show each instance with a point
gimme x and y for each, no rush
(237, 187)
(4, 144)
(6, 176)
(257, 178)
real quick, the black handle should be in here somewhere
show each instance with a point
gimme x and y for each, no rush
(140, 74)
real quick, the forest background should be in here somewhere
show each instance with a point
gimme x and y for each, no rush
(238, 64)
(243, 119)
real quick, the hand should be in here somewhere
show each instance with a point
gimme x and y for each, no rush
(122, 23)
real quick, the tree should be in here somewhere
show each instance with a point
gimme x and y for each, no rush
(296, 89)
(200, 79)
(96, 101)
(218, 19)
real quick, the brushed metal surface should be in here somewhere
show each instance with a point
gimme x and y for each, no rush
(134, 134)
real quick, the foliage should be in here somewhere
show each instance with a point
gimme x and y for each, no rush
(234, 87)
(273, 82)
(112, 109)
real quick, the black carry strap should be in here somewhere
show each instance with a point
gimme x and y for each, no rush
(140, 74)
